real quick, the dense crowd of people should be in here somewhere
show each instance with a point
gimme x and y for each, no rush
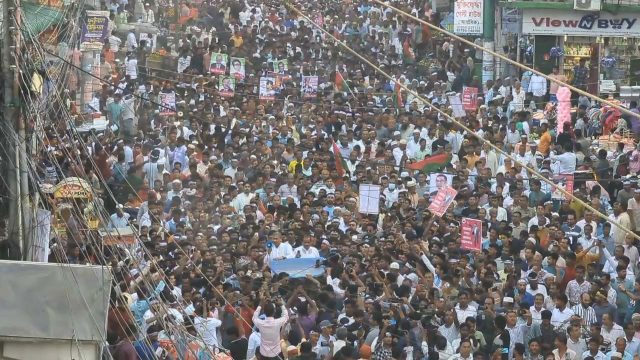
(230, 185)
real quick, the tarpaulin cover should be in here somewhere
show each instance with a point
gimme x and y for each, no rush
(298, 267)
(54, 301)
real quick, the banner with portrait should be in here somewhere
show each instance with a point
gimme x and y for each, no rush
(267, 90)
(309, 87)
(281, 67)
(227, 86)
(218, 63)
(443, 200)
(236, 68)
(168, 103)
(471, 234)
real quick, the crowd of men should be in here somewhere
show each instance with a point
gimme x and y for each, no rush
(220, 188)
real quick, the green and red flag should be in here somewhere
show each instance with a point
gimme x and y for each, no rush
(340, 83)
(341, 165)
(431, 163)
(408, 56)
(397, 96)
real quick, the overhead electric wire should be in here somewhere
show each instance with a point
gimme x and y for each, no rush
(502, 57)
(106, 220)
(143, 277)
(461, 125)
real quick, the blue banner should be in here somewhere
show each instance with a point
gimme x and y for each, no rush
(298, 267)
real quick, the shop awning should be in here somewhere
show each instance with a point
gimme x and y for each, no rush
(39, 17)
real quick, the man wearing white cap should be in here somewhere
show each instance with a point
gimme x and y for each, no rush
(149, 16)
(402, 153)
(413, 144)
(119, 219)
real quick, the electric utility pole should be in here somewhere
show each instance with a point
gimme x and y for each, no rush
(15, 161)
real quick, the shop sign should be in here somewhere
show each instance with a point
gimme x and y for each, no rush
(559, 22)
(95, 30)
(467, 17)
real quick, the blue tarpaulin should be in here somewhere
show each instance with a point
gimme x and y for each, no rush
(298, 267)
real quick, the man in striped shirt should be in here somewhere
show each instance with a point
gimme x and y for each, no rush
(585, 311)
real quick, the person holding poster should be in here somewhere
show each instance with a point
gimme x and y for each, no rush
(267, 88)
(218, 63)
(309, 86)
(438, 182)
(280, 67)
(227, 86)
(471, 234)
(168, 102)
(237, 68)
(442, 200)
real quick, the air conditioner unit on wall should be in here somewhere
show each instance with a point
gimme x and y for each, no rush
(587, 5)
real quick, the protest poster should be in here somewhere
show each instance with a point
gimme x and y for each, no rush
(564, 181)
(443, 199)
(168, 102)
(369, 199)
(237, 68)
(95, 30)
(227, 86)
(280, 67)
(267, 90)
(471, 234)
(456, 106)
(218, 64)
(469, 97)
(439, 181)
(309, 87)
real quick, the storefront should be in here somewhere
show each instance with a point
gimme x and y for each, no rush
(609, 44)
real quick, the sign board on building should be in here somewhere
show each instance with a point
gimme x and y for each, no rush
(95, 30)
(467, 17)
(577, 23)
(511, 21)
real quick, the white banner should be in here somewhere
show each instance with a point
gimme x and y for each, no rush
(369, 199)
(467, 17)
(577, 23)
(39, 235)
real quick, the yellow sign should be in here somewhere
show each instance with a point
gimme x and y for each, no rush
(72, 188)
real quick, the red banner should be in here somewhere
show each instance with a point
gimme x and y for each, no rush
(471, 234)
(443, 200)
(469, 98)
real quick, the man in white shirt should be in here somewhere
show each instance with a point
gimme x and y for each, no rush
(561, 313)
(132, 42)
(610, 330)
(564, 163)
(538, 86)
(306, 250)
(244, 198)
(400, 151)
(119, 219)
(278, 250)
(149, 16)
(207, 326)
(131, 68)
(463, 309)
(270, 328)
